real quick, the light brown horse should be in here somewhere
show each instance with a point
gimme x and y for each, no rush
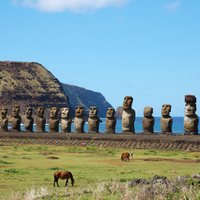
(63, 175)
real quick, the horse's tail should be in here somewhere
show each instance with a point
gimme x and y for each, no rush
(72, 178)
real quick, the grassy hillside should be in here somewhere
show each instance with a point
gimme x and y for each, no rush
(27, 170)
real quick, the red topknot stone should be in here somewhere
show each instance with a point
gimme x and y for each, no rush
(190, 99)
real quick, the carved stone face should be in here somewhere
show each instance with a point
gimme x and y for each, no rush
(93, 110)
(28, 111)
(16, 110)
(148, 111)
(53, 112)
(40, 111)
(110, 113)
(166, 109)
(4, 112)
(127, 103)
(65, 112)
(79, 111)
(190, 109)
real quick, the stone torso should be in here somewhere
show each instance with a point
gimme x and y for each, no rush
(66, 125)
(148, 124)
(166, 125)
(148, 120)
(191, 124)
(28, 124)
(93, 125)
(3, 124)
(16, 121)
(128, 118)
(40, 124)
(79, 125)
(110, 125)
(53, 125)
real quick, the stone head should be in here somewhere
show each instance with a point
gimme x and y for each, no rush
(79, 111)
(40, 112)
(93, 111)
(64, 112)
(53, 112)
(148, 111)
(190, 109)
(16, 110)
(4, 112)
(166, 109)
(28, 111)
(127, 103)
(110, 113)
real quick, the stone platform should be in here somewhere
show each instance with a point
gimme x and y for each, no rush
(134, 141)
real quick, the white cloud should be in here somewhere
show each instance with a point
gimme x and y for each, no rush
(71, 5)
(173, 6)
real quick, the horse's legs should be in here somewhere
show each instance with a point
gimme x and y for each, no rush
(66, 183)
(55, 181)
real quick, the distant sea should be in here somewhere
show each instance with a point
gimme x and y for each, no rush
(177, 127)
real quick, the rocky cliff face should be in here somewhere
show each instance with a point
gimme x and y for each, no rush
(29, 83)
(87, 98)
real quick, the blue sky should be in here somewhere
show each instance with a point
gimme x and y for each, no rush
(147, 49)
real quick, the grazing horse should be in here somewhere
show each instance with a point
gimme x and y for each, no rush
(126, 156)
(63, 175)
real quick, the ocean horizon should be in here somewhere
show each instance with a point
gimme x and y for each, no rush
(177, 126)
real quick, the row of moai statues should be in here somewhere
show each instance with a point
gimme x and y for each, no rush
(191, 120)
(66, 121)
(128, 119)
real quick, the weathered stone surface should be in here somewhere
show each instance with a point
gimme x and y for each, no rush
(166, 120)
(110, 120)
(191, 120)
(148, 120)
(4, 119)
(28, 120)
(40, 120)
(53, 120)
(93, 120)
(16, 118)
(79, 120)
(128, 115)
(66, 121)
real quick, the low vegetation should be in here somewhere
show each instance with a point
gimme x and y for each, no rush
(26, 172)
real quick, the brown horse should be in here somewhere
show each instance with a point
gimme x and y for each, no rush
(126, 156)
(63, 175)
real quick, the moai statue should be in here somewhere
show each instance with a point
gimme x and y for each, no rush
(4, 119)
(16, 118)
(40, 120)
(148, 120)
(166, 120)
(53, 120)
(66, 121)
(110, 120)
(79, 120)
(191, 120)
(93, 120)
(128, 115)
(28, 120)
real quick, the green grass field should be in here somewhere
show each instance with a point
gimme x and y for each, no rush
(29, 168)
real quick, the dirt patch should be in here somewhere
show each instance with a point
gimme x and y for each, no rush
(168, 160)
(53, 157)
